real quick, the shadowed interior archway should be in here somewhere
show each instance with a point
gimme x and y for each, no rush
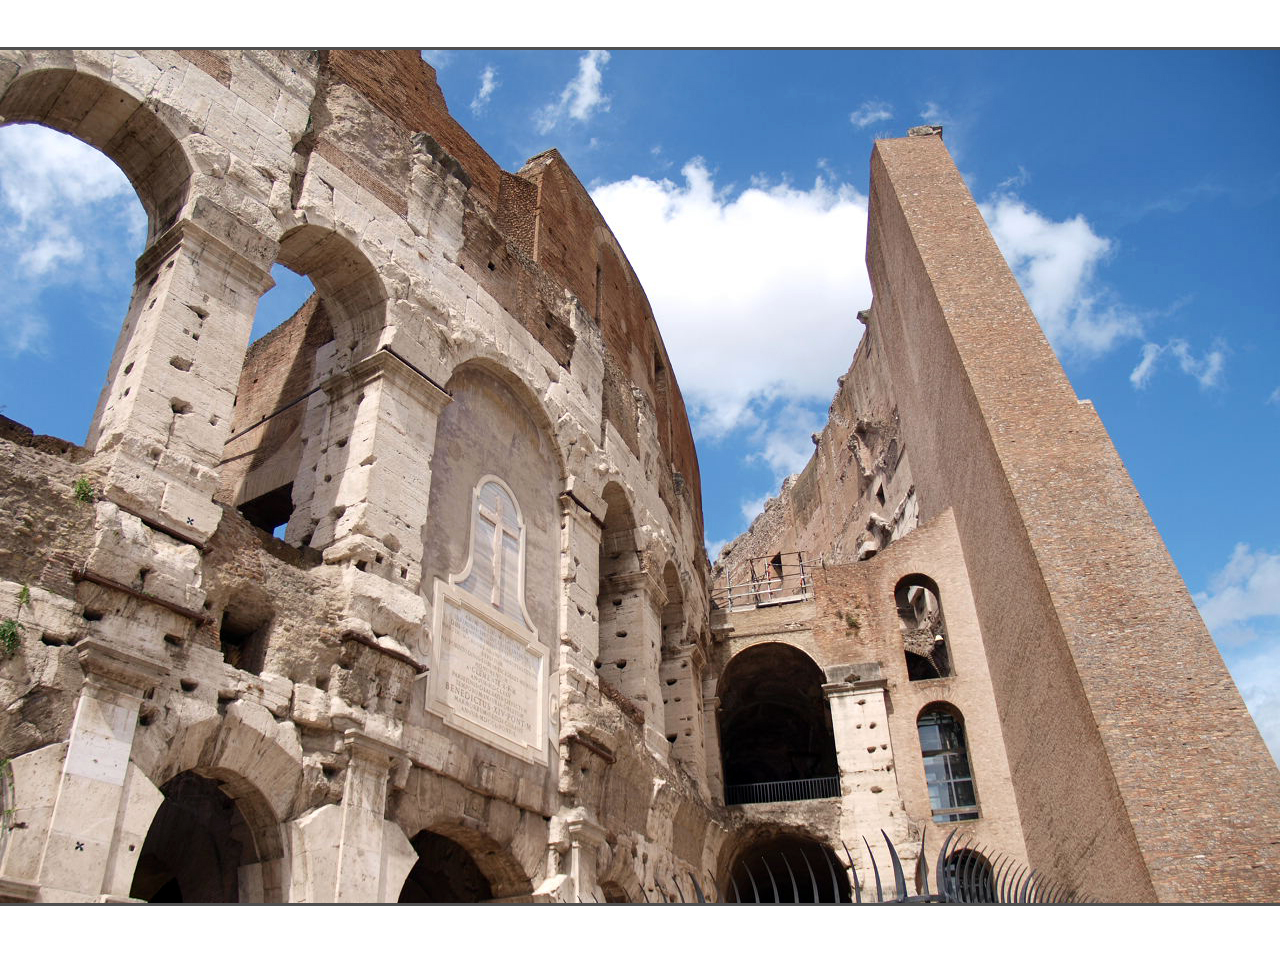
(786, 868)
(209, 842)
(775, 725)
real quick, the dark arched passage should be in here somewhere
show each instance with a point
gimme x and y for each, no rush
(203, 848)
(787, 869)
(445, 873)
(775, 726)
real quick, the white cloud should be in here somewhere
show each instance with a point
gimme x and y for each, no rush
(1242, 595)
(1140, 377)
(756, 292)
(1055, 263)
(1275, 397)
(1242, 607)
(1258, 678)
(488, 83)
(582, 97)
(870, 111)
(714, 547)
(753, 508)
(69, 219)
(1206, 370)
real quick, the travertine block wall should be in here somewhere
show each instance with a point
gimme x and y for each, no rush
(483, 328)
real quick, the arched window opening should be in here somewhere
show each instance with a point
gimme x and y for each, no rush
(445, 873)
(71, 229)
(775, 728)
(631, 627)
(953, 795)
(322, 315)
(787, 869)
(966, 877)
(924, 630)
(200, 845)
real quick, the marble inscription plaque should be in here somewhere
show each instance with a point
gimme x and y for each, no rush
(489, 677)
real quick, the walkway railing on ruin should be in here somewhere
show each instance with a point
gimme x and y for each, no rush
(764, 581)
(767, 792)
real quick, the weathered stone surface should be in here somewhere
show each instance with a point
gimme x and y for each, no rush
(302, 705)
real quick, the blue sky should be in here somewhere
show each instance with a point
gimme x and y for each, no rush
(1136, 195)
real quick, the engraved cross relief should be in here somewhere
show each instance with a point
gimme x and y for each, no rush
(495, 570)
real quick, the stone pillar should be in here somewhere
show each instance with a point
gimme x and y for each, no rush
(104, 804)
(165, 413)
(365, 477)
(585, 840)
(681, 678)
(870, 801)
(350, 852)
(630, 646)
(711, 742)
(581, 527)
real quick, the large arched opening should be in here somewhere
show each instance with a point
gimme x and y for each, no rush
(88, 177)
(776, 737)
(444, 873)
(211, 841)
(283, 470)
(787, 868)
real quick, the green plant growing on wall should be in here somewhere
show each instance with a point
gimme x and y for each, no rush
(83, 490)
(11, 629)
(851, 622)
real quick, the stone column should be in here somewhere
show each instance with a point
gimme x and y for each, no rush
(870, 801)
(681, 678)
(365, 476)
(350, 852)
(711, 742)
(104, 804)
(585, 840)
(580, 571)
(165, 413)
(635, 656)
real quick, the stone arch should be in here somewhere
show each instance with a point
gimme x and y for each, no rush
(477, 867)
(783, 866)
(245, 743)
(776, 736)
(353, 292)
(281, 443)
(114, 122)
(923, 626)
(214, 839)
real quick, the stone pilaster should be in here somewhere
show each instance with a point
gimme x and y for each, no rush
(870, 801)
(681, 677)
(350, 852)
(104, 804)
(580, 573)
(165, 413)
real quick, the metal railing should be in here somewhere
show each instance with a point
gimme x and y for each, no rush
(764, 580)
(767, 792)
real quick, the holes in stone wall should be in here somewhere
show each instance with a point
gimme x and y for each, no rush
(242, 636)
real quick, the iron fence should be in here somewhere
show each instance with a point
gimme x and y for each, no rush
(764, 792)
(764, 580)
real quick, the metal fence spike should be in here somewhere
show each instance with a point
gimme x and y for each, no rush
(697, 889)
(853, 869)
(922, 861)
(899, 879)
(679, 892)
(795, 889)
(769, 870)
(755, 892)
(875, 870)
(813, 878)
